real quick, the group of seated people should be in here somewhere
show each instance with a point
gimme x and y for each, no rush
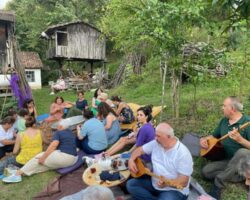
(20, 136)
(159, 148)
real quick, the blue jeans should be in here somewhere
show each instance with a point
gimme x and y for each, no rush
(142, 189)
(10, 160)
(6, 149)
(83, 145)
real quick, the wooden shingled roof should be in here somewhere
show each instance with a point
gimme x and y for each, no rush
(7, 16)
(52, 28)
(30, 60)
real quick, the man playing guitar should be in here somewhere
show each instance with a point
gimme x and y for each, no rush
(171, 160)
(236, 146)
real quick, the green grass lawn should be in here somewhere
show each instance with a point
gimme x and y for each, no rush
(210, 96)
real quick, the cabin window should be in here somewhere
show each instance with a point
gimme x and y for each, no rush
(30, 76)
(62, 38)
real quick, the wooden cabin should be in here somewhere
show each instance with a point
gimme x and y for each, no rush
(78, 41)
(33, 65)
(7, 20)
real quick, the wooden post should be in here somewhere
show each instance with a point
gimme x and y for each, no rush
(91, 67)
(60, 63)
(163, 87)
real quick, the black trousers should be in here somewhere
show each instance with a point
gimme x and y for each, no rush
(6, 149)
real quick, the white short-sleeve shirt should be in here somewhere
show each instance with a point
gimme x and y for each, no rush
(5, 135)
(170, 163)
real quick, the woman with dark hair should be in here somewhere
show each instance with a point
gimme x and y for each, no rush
(80, 105)
(91, 136)
(95, 101)
(109, 118)
(30, 106)
(145, 134)
(27, 145)
(124, 112)
(7, 136)
(56, 110)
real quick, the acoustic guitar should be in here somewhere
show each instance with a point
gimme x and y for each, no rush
(215, 149)
(142, 170)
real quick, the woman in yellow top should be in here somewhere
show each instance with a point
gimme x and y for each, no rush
(27, 145)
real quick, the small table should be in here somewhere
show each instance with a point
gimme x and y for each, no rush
(90, 179)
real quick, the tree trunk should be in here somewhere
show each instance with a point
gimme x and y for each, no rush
(137, 60)
(175, 83)
(163, 86)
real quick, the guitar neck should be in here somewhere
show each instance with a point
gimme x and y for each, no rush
(239, 129)
(153, 175)
(168, 182)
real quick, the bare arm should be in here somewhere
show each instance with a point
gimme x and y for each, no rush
(79, 135)
(93, 103)
(52, 147)
(44, 138)
(235, 135)
(119, 109)
(7, 142)
(35, 112)
(53, 109)
(135, 154)
(109, 122)
(17, 145)
(245, 143)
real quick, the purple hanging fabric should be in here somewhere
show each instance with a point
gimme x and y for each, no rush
(17, 90)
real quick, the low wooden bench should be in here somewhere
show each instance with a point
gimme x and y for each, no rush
(134, 107)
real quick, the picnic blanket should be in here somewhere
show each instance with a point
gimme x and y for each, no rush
(68, 184)
(71, 183)
(62, 186)
(134, 107)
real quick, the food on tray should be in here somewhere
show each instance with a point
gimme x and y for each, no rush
(126, 163)
(119, 164)
(92, 170)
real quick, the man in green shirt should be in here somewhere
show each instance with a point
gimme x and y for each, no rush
(236, 146)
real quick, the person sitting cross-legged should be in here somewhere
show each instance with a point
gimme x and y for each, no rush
(27, 145)
(109, 119)
(60, 153)
(171, 160)
(125, 113)
(58, 86)
(91, 135)
(80, 105)
(236, 146)
(7, 136)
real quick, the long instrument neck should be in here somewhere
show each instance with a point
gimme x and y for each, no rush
(239, 129)
(152, 174)
(168, 182)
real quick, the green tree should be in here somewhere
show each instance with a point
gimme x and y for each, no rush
(237, 24)
(161, 26)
